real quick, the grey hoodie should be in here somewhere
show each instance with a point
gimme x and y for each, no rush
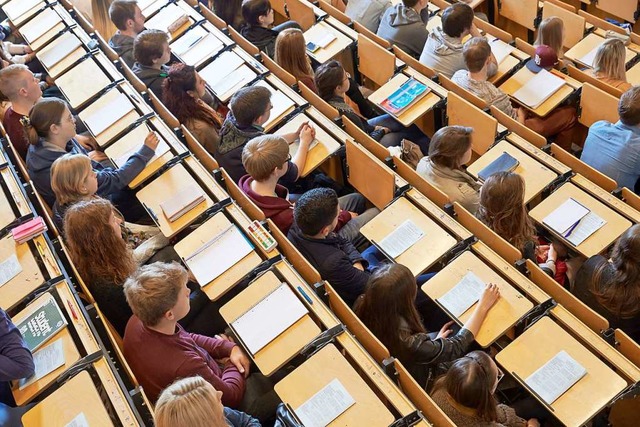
(123, 45)
(402, 26)
(443, 53)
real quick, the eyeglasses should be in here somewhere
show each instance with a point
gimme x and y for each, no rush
(347, 77)
(288, 158)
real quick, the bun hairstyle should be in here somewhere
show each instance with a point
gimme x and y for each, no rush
(44, 114)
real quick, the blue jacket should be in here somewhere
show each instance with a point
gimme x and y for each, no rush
(239, 419)
(41, 156)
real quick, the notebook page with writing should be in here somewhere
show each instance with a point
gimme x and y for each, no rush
(589, 224)
(500, 49)
(555, 377)
(208, 46)
(325, 406)
(218, 255)
(463, 295)
(188, 40)
(401, 239)
(59, 49)
(161, 150)
(108, 114)
(539, 89)
(183, 202)
(9, 268)
(269, 318)
(565, 215)
(46, 360)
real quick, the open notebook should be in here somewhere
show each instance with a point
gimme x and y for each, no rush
(59, 49)
(226, 74)
(539, 89)
(196, 45)
(499, 48)
(574, 221)
(267, 319)
(555, 377)
(108, 114)
(183, 202)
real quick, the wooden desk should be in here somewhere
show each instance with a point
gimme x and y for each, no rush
(77, 396)
(523, 12)
(535, 174)
(16, 195)
(25, 282)
(414, 111)
(227, 280)
(333, 49)
(633, 74)
(168, 185)
(625, 9)
(78, 321)
(74, 85)
(329, 125)
(325, 147)
(286, 345)
(42, 28)
(544, 158)
(587, 44)
(543, 341)
(115, 393)
(318, 371)
(426, 251)
(616, 224)
(509, 308)
(523, 75)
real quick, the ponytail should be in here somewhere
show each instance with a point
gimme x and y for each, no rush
(44, 114)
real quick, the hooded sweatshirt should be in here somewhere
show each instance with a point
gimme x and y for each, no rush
(402, 26)
(367, 12)
(443, 53)
(151, 77)
(262, 38)
(123, 45)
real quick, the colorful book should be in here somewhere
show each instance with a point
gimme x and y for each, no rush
(410, 92)
(29, 230)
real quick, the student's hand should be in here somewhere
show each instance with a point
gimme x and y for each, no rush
(307, 135)
(533, 423)
(240, 360)
(27, 49)
(49, 80)
(552, 255)
(358, 265)
(353, 214)
(489, 297)
(384, 129)
(542, 251)
(152, 141)
(97, 156)
(445, 331)
(224, 337)
(302, 126)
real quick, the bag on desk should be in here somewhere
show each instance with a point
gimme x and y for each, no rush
(411, 153)
(284, 417)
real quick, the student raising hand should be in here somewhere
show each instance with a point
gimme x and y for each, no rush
(152, 140)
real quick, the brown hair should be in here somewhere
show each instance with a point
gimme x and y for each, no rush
(629, 107)
(476, 51)
(182, 78)
(121, 11)
(188, 402)
(68, 175)
(98, 254)
(389, 299)
(149, 45)
(469, 382)
(249, 103)
(11, 79)
(328, 77)
(621, 293)
(291, 53)
(263, 154)
(456, 19)
(610, 60)
(254, 9)
(44, 114)
(502, 208)
(449, 144)
(550, 32)
(153, 289)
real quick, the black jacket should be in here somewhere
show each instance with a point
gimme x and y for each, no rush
(263, 38)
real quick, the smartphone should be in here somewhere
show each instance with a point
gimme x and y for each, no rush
(312, 47)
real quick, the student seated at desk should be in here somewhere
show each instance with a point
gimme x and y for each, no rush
(194, 402)
(467, 394)
(291, 54)
(266, 158)
(611, 286)
(333, 82)
(405, 25)
(249, 109)
(388, 309)
(127, 17)
(609, 64)
(614, 148)
(560, 123)
(551, 33)
(443, 50)
(367, 12)
(182, 93)
(152, 52)
(51, 129)
(450, 148)
(230, 11)
(258, 17)
(502, 209)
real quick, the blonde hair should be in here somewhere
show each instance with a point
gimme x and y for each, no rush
(263, 154)
(68, 176)
(189, 402)
(153, 289)
(551, 33)
(610, 60)
(291, 53)
(12, 79)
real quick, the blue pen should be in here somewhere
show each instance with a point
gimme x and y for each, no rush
(304, 294)
(573, 227)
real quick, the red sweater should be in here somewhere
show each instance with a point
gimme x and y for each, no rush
(157, 360)
(279, 209)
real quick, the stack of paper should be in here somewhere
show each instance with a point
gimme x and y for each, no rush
(325, 406)
(9, 268)
(44, 320)
(227, 74)
(29, 230)
(269, 318)
(182, 202)
(555, 377)
(219, 254)
(59, 49)
(463, 295)
(46, 361)
(401, 239)
(574, 221)
(539, 89)
(109, 114)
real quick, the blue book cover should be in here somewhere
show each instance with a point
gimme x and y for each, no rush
(405, 95)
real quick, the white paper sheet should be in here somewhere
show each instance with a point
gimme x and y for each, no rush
(401, 239)
(59, 49)
(218, 255)
(39, 25)
(108, 114)
(269, 318)
(565, 215)
(588, 225)
(539, 89)
(500, 49)
(161, 150)
(208, 46)
(325, 406)
(323, 39)
(555, 377)
(188, 40)
(45, 360)
(16, 8)
(9, 268)
(590, 57)
(80, 420)
(463, 295)
(279, 101)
